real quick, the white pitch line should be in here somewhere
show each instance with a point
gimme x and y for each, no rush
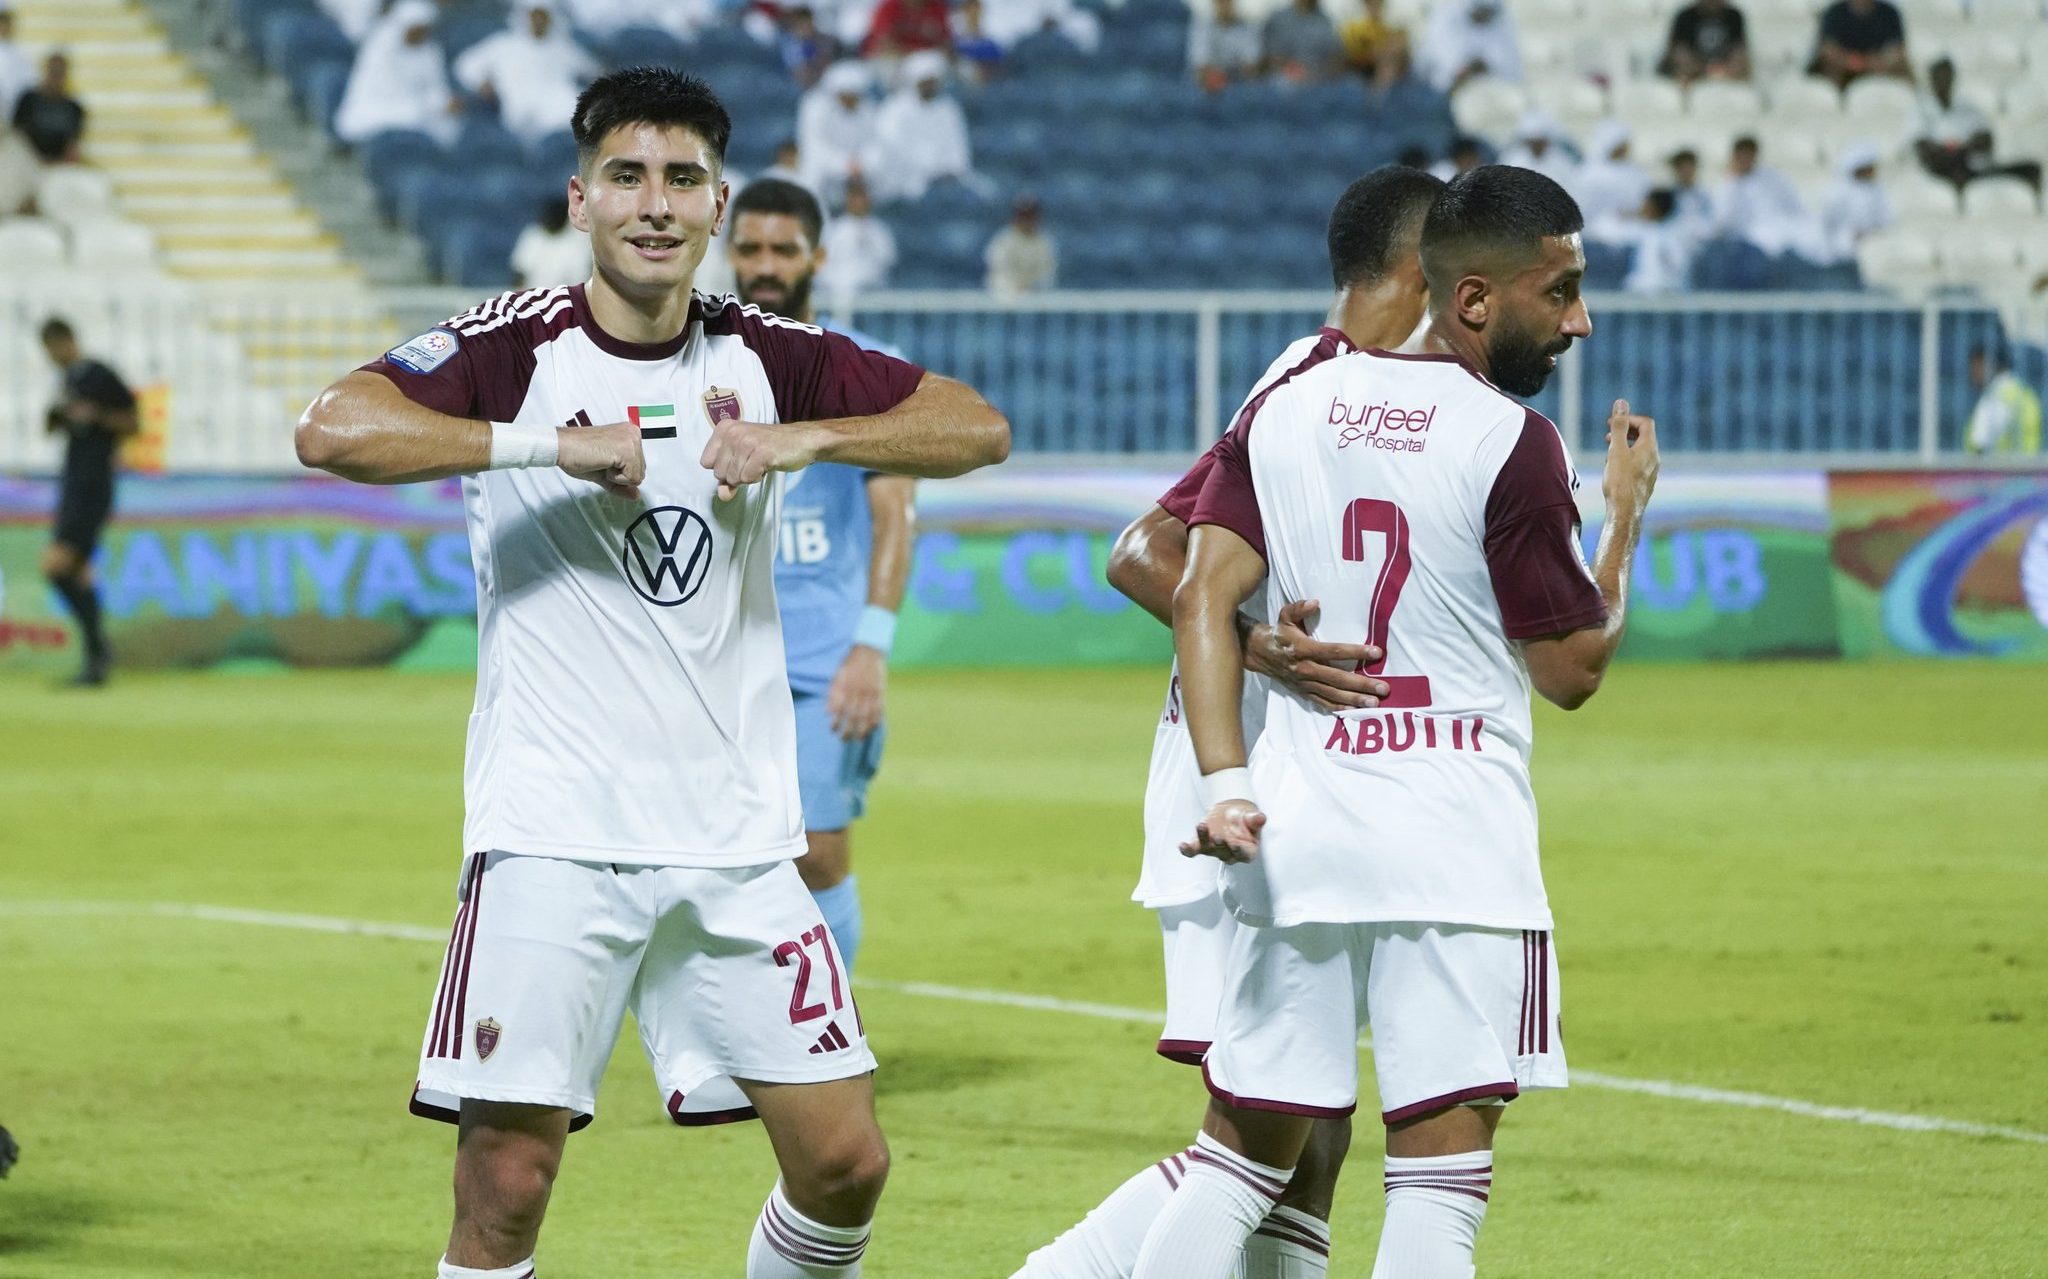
(1664, 1088)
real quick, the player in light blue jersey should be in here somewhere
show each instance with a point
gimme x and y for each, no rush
(840, 575)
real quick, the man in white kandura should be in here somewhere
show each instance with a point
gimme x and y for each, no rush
(1390, 879)
(631, 777)
(1380, 300)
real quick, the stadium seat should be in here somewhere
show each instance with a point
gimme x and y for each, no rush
(1987, 261)
(1730, 266)
(296, 38)
(387, 153)
(1999, 197)
(1540, 15)
(1901, 260)
(1988, 57)
(1918, 195)
(1725, 102)
(1576, 102)
(1803, 97)
(485, 142)
(1882, 108)
(71, 193)
(109, 246)
(320, 89)
(1607, 265)
(32, 246)
(1488, 107)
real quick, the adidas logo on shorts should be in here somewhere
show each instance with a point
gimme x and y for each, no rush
(831, 1041)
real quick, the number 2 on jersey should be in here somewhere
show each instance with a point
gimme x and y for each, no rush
(797, 952)
(1372, 515)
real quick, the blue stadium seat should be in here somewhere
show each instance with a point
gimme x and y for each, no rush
(1606, 265)
(642, 46)
(295, 39)
(1731, 266)
(321, 87)
(477, 253)
(554, 154)
(249, 16)
(1047, 54)
(484, 141)
(386, 154)
(468, 22)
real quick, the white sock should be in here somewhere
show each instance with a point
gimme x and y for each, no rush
(1105, 1243)
(517, 1270)
(1434, 1207)
(1201, 1232)
(789, 1245)
(1289, 1244)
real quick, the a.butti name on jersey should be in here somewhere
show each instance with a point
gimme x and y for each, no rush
(1371, 734)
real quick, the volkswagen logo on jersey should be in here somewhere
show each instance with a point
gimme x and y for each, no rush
(668, 555)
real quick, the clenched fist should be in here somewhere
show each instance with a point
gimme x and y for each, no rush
(743, 453)
(610, 456)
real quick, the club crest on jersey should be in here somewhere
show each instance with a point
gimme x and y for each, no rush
(487, 1032)
(721, 405)
(667, 555)
(425, 353)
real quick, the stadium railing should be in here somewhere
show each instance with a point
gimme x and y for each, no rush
(1147, 376)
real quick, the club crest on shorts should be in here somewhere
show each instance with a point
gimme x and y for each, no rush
(487, 1032)
(721, 405)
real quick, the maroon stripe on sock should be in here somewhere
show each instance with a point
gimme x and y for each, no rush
(1264, 1185)
(823, 1251)
(1288, 1233)
(1467, 1191)
(476, 894)
(796, 1252)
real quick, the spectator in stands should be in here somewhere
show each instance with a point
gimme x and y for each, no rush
(1536, 147)
(788, 166)
(1861, 37)
(1608, 183)
(1468, 38)
(1011, 21)
(400, 80)
(2007, 418)
(49, 117)
(606, 18)
(806, 51)
(1662, 247)
(860, 250)
(1222, 46)
(1760, 205)
(16, 73)
(835, 126)
(980, 57)
(1021, 258)
(1299, 44)
(551, 252)
(1465, 155)
(1954, 139)
(533, 71)
(903, 27)
(1708, 41)
(21, 174)
(1856, 204)
(1694, 206)
(1369, 39)
(1399, 94)
(354, 17)
(920, 133)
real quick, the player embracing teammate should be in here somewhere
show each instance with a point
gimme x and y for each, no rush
(630, 780)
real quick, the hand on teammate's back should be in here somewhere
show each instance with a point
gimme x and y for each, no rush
(1230, 833)
(1632, 461)
(742, 453)
(610, 456)
(1329, 675)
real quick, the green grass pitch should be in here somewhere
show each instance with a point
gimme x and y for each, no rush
(1819, 882)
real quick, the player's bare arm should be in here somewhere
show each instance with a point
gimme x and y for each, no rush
(855, 699)
(943, 429)
(1567, 668)
(1146, 566)
(362, 428)
(1223, 570)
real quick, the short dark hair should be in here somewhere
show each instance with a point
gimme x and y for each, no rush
(1685, 155)
(1492, 210)
(648, 95)
(1665, 201)
(1746, 141)
(1996, 356)
(1375, 221)
(56, 327)
(773, 195)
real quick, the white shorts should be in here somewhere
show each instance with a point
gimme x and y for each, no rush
(730, 973)
(1458, 1015)
(1198, 936)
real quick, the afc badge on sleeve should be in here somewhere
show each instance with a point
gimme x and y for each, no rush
(425, 353)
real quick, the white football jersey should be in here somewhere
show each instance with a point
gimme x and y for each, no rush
(1433, 517)
(631, 702)
(1173, 795)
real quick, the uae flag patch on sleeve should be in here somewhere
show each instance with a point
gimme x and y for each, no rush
(656, 421)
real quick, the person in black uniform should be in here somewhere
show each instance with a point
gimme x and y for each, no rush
(97, 411)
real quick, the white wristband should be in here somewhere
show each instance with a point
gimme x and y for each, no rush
(1226, 783)
(515, 444)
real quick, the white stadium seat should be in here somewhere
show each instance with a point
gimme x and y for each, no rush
(1983, 260)
(1489, 107)
(2033, 247)
(1916, 195)
(1990, 55)
(1999, 197)
(72, 193)
(1917, 11)
(1902, 260)
(1646, 98)
(110, 246)
(1545, 14)
(1798, 97)
(1724, 101)
(31, 246)
(1577, 102)
(1882, 107)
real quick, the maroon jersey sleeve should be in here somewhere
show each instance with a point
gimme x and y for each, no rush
(817, 375)
(1227, 497)
(1179, 501)
(1532, 548)
(480, 363)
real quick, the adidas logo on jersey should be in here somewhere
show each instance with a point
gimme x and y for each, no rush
(831, 1041)
(1373, 423)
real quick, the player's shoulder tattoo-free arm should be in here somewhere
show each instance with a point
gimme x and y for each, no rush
(1148, 560)
(942, 428)
(364, 428)
(1223, 570)
(892, 512)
